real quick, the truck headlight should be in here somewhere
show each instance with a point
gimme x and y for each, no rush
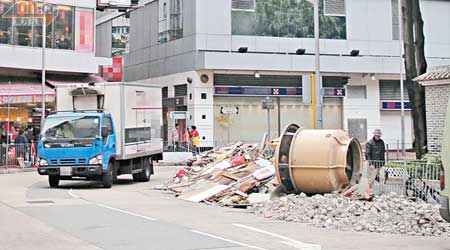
(96, 160)
(43, 162)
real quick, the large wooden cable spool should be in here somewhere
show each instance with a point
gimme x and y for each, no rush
(317, 161)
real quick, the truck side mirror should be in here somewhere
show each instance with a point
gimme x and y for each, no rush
(104, 132)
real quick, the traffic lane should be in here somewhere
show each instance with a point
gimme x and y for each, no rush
(19, 231)
(219, 221)
(136, 202)
(93, 223)
(109, 229)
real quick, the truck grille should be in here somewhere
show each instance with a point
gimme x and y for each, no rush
(68, 161)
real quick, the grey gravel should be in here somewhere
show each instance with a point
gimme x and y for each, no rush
(389, 213)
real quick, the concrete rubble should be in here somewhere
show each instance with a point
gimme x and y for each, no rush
(241, 176)
(225, 176)
(388, 213)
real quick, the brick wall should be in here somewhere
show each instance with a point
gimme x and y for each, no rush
(436, 98)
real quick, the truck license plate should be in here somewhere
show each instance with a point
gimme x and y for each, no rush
(65, 171)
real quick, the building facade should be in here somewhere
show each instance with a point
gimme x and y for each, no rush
(69, 53)
(209, 55)
(437, 92)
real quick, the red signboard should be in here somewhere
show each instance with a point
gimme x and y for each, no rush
(113, 73)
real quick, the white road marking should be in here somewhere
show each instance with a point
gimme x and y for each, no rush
(301, 246)
(73, 195)
(286, 240)
(127, 212)
(228, 240)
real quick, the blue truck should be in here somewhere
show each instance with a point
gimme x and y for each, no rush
(101, 131)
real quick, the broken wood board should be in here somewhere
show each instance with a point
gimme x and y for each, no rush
(203, 193)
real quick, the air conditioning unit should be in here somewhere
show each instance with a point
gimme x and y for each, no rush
(243, 5)
(116, 4)
(334, 8)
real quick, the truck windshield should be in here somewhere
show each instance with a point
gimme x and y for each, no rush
(79, 127)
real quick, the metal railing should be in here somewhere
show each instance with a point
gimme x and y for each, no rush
(394, 151)
(414, 179)
(170, 146)
(18, 155)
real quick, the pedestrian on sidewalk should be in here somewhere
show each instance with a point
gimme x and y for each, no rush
(29, 133)
(176, 138)
(186, 137)
(195, 139)
(375, 155)
(21, 143)
(3, 137)
(3, 142)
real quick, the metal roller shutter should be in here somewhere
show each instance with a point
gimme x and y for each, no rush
(262, 81)
(390, 90)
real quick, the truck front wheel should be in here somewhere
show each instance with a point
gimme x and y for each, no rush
(107, 177)
(53, 180)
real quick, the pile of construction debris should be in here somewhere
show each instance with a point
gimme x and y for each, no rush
(225, 176)
(388, 213)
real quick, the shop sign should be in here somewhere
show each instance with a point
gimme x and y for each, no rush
(18, 99)
(333, 92)
(229, 110)
(395, 105)
(179, 115)
(31, 10)
(268, 104)
(257, 91)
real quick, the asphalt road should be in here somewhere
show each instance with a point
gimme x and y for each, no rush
(82, 215)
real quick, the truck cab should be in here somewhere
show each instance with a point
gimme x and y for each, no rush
(77, 144)
(102, 131)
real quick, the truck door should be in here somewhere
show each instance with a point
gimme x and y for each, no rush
(109, 143)
(143, 124)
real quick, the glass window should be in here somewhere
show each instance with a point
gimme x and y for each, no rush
(120, 36)
(5, 22)
(285, 19)
(63, 28)
(108, 123)
(84, 30)
(26, 30)
(23, 31)
(82, 127)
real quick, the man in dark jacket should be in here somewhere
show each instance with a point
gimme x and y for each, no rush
(29, 134)
(21, 144)
(21, 138)
(375, 155)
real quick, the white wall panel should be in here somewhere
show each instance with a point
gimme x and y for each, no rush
(56, 60)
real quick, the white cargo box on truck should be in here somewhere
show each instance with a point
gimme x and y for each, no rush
(136, 110)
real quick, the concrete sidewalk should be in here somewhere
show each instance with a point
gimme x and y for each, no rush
(169, 159)
(175, 158)
(13, 170)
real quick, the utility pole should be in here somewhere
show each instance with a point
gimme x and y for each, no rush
(268, 123)
(7, 124)
(228, 127)
(279, 115)
(402, 65)
(44, 31)
(318, 78)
